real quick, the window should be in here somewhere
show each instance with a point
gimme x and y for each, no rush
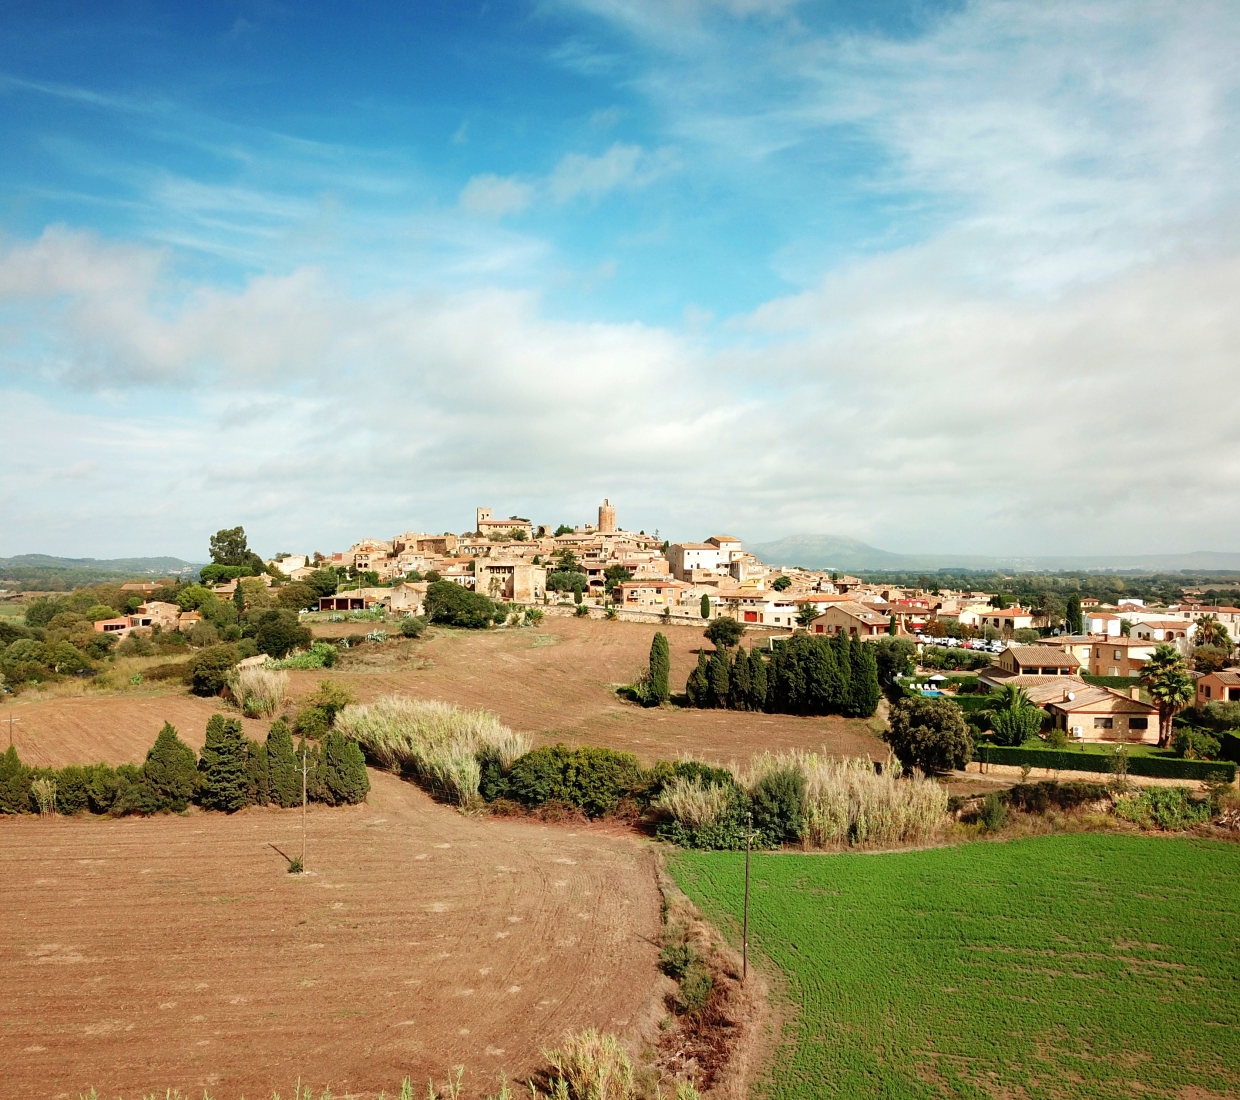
(1138, 723)
(1104, 723)
(1233, 694)
(1118, 654)
(1207, 691)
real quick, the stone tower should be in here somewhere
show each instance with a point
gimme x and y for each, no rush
(606, 516)
(484, 516)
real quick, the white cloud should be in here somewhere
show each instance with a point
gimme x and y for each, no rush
(494, 196)
(622, 166)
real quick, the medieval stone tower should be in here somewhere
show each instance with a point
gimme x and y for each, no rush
(606, 516)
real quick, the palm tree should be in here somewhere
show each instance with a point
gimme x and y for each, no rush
(1165, 676)
(1211, 632)
(1011, 697)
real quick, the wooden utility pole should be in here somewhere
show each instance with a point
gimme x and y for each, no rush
(303, 805)
(11, 721)
(745, 932)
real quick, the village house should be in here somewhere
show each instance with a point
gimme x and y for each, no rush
(1030, 660)
(1005, 619)
(1160, 630)
(1218, 687)
(1100, 622)
(486, 524)
(1120, 656)
(1104, 714)
(850, 618)
(514, 581)
(649, 593)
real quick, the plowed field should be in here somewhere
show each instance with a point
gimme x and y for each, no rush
(554, 682)
(143, 954)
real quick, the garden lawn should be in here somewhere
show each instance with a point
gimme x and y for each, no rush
(1091, 965)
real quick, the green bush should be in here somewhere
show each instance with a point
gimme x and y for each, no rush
(930, 734)
(778, 805)
(696, 985)
(994, 812)
(413, 626)
(1038, 798)
(1171, 808)
(1017, 725)
(1192, 744)
(223, 783)
(449, 603)
(171, 771)
(593, 780)
(723, 633)
(278, 632)
(72, 793)
(675, 959)
(209, 669)
(15, 780)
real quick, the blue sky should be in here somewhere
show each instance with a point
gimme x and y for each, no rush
(948, 277)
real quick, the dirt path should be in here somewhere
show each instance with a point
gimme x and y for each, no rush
(144, 954)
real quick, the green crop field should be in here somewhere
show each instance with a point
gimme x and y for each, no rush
(1090, 965)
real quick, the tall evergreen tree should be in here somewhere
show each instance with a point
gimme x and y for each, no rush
(863, 690)
(720, 678)
(697, 688)
(660, 669)
(823, 679)
(283, 766)
(739, 687)
(257, 776)
(705, 606)
(843, 672)
(171, 771)
(222, 765)
(344, 778)
(1074, 618)
(757, 680)
(239, 600)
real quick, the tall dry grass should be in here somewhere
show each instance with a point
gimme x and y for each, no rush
(692, 802)
(258, 691)
(441, 744)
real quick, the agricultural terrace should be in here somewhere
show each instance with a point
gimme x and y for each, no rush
(1086, 965)
(176, 952)
(555, 682)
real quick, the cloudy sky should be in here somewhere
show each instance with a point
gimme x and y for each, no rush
(951, 277)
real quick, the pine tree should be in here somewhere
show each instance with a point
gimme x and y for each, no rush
(171, 772)
(344, 777)
(697, 687)
(719, 678)
(222, 766)
(660, 669)
(739, 686)
(239, 600)
(863, 689)
(757, 681)
(283, 766)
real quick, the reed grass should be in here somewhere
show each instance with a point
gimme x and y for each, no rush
(258, 691)
(591, 1066)
(692, 802)
(440, 744)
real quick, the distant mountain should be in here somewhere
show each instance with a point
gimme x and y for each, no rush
(852, 555)
(44, 572)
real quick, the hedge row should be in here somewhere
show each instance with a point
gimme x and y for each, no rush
(1156, 767)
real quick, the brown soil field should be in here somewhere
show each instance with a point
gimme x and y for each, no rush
(555, 682)
(177, 952)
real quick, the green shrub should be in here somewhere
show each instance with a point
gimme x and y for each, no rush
(209, 669)
(222, 769)
(1017, 725)
(72, 796)
(1038, 798)
(319, 655)
(413, 626)
(696, 985)
(1171, 808)
(778, 804)
(449, 603)
(593, 780)
(994, 812)
(15, 780)
(930, 734)
(723, 633)
(278, 632)
(1192, 744)
(171, 771)
(675, 959)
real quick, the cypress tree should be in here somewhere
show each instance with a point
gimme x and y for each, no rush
(660, 669)
(739, 686)
(719, 678)
(283, 766)
(257, 778)
(823, 681)
(705, 606)
(863, 689)
(697, 688)
(222, 765)
(345, 781)
(891, 626)
(1075, 619)
(239, 600)
(842, 674)
(171, 771)
(757, 680)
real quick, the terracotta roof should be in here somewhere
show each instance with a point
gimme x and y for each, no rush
(1227, 676)
(1044, 655)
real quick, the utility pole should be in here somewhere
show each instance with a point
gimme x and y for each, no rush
(11, 721)
(745, 932)
(303, 805)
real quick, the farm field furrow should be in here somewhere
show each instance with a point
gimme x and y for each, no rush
(1086, 966)
(176, 952)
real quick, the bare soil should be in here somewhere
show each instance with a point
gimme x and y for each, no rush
(555, 682)
(177, 952)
